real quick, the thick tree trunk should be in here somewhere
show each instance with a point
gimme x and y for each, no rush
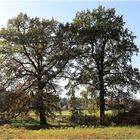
(42, 115)
(102, 100)
(102, 107)
(41, 107)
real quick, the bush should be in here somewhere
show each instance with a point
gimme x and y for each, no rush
(86, 120)
(127, 118)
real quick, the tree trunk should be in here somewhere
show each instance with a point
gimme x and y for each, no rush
(41, 107)
(102, 100)
(42, 115)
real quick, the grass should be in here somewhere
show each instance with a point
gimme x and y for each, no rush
(28, 128)
(24, 122)
(8, 132)
(64, 113)
(86, 112)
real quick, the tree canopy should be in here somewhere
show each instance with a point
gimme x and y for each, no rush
(107, 47)
(33, 54)
(95, 50)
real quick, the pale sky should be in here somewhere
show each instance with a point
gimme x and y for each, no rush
(64, 11)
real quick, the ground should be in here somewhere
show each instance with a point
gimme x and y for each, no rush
(8, 132)
(28, 128)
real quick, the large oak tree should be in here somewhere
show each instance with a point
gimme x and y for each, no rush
(33, 54)
(105, 65)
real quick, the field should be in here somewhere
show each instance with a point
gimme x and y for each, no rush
(86, 112)
(28, 128)
(8, 132)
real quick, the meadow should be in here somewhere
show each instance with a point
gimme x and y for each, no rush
(9, 132)
(28, 128)
(85, 112)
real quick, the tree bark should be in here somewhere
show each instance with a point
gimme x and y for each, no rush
(41, 107)
(102, 105)
(102, 100)
(42, 115)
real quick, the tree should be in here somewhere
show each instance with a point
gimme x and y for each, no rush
(107, 47)
(33, 55)
(76, 108)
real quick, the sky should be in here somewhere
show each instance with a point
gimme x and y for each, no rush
(65, 11)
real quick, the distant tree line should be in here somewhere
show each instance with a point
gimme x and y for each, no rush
(94, 50)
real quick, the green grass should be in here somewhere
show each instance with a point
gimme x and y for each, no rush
(60, 119)
(28, 128)
(8, 132)
(68, 113)
(64, 113)
(24, 122)
(86, 112)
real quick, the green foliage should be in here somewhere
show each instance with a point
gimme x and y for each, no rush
(33, 56)
(107, 48)
(94, 51)
(76, 111)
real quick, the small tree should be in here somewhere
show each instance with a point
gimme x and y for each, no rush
(76, 108)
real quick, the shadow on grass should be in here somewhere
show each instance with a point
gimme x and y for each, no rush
(23, 122)
(38, 127)
(33, 124)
